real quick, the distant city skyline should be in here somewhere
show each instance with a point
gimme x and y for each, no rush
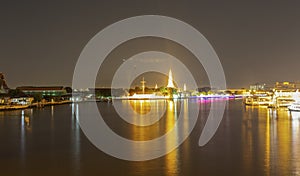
(257, 42)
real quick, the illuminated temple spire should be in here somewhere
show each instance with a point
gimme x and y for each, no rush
(170, 80)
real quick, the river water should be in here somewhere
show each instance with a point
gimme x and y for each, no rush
(249, 141)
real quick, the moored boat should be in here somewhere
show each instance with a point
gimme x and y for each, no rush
(258, 100)
(294, 106)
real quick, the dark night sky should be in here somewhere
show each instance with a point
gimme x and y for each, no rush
(256, 41)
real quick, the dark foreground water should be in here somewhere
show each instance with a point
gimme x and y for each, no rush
(249, 141)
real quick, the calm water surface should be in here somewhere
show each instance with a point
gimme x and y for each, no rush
(249, 141)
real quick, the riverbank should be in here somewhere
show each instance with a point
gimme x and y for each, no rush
(33, 105)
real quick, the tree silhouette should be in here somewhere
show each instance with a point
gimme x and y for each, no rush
(3, 86)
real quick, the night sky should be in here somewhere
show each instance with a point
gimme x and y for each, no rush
(256, 41)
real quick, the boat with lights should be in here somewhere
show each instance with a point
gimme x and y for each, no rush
(294, 106)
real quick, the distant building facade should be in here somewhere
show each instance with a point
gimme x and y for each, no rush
(106, 92)
(53, 91)
(287, 85)
(258, 86)
(237, 92)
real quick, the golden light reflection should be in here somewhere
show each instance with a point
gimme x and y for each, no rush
(170, 118)
(25, 127)
(167, 123)
(52, 111)
(22, 136)
(284, 138)
(295, 116)
(140, 106)
(25, 120)
(281, 140)
(52, 118)
(267, 145)
(172, 159)
(75, 136)
(247, 138)
(185, 110)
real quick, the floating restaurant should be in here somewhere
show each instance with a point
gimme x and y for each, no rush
(284, 94)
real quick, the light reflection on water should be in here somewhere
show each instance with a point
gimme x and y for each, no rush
(171, 116)
(172, 159)
(249, 141)
(278, 135)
